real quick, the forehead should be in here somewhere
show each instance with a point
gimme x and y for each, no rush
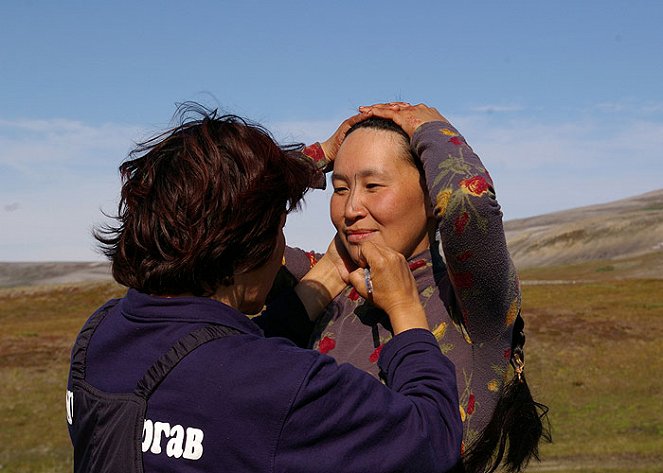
(379, 149)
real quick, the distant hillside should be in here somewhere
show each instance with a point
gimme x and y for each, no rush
(617, 230)
(629, 231)
(37, 274)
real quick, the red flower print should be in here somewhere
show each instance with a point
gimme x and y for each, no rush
(463, 280)
(455, 140)
(354, 295)
(461, 222)
(311, 258)
(315, 152)
(417, 264)
(476, 186)
(470, 405)
(326, 345)
(507, 354)
(464, 256)
(375, 355)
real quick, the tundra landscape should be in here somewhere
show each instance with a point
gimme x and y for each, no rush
(592, 282)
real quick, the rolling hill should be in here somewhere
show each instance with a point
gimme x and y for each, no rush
(627, 233)
(625, 230)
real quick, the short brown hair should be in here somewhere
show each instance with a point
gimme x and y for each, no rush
(200, 202)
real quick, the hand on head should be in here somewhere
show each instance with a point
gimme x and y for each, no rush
(394, 289)
(333, 143)
(408, 117)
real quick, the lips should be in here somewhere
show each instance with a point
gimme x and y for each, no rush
(357, 236)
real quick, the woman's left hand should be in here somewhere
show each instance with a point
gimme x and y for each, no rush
(408, 117)
(333, 143)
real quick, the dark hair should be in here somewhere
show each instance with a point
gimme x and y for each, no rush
(200, 202)
(378, 123)
(518, 423)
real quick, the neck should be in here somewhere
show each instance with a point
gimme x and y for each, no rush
(228, 295)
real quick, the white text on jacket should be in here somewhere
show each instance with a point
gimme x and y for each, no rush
(182, 443)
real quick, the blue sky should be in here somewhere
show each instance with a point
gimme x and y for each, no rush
(562, 100)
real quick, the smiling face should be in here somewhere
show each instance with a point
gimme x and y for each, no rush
(378, 194)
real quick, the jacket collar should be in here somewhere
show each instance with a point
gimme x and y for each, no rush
(186, 309)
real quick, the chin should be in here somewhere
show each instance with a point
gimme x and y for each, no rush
(353, 251)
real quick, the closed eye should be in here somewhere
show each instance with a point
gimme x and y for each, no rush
(340, 190)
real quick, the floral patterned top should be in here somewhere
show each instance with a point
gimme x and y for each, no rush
(470, 291)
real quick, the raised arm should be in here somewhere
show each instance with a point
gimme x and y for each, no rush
(353, 423)
(486, 294)
(302, 289)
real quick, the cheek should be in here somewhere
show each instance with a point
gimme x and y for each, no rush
(387, 207)
(336, 206)
(402, 217)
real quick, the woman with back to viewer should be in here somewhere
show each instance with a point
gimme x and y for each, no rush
(174, 377)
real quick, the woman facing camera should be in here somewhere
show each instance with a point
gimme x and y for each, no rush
(174, 376)
(406, 179)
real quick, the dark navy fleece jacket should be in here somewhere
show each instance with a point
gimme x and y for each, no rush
(252, 402)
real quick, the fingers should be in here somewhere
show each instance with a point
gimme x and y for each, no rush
(369, 253)
(353, 120)
(409, 117)
(387, 105)
(385, 279)
(388, 283)
(403, 116)
(333, 143)
(348, 123)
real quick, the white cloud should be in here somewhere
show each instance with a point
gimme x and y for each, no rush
(497, 108)
(543, 167)
(630, 107)
(34, 148)
(13, 207)
(61, 173)
(56, 176)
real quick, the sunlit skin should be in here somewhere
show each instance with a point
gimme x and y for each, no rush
(378, 194)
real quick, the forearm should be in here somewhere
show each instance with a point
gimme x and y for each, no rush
(471, 231)
(316, 154)
(412, 426)
(319, 287)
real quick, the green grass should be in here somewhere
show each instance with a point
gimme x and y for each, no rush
(39, 326)
(594, 356)
(644, 266)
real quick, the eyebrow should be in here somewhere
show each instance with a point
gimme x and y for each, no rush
(370, 172)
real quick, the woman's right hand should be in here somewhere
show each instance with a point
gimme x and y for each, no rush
(393, 287)
(333, 143)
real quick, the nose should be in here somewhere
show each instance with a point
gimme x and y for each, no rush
(354, 206)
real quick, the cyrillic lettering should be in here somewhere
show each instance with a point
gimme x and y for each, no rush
(193, 449)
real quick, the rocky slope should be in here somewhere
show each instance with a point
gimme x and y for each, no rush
(617, 230)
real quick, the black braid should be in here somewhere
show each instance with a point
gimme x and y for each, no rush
(518, 423)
